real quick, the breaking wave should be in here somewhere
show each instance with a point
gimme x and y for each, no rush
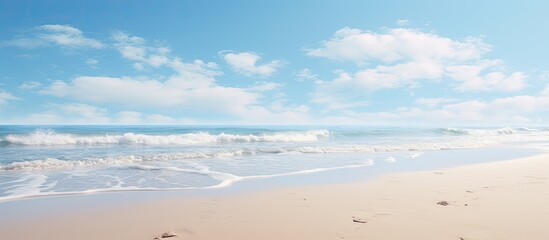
(492, 132)
(54, 163)
(49, 137)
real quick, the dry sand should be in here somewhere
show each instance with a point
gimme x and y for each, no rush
(502, 200)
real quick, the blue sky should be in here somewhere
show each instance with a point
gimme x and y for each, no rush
(274, 62)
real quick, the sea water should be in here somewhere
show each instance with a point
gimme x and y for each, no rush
(53, 160)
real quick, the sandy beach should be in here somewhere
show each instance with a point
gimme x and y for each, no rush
(499, 200)
(274, 120)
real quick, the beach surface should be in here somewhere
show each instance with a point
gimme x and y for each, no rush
(497, 200)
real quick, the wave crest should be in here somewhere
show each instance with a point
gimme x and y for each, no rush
(49, 137)
(497, 131)
(125, 160)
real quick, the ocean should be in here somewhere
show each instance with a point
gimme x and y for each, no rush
(38, 161)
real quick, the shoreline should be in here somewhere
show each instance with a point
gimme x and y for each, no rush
(427, 160)
(494, 200)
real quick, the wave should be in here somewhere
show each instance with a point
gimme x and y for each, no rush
(41, 137)
(54, 163)
(49, 137)
(491, 132)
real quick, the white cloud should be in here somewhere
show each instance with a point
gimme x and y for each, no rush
(133, 117)
(545, 91)
(30, 85)
(397, 75)
(92, 62)
(403, 22)
(68, 113)
(503, 110)
(84, 113)
(65, 35)
(42, 118)
(275, 113)
(485, 76)
(135, 49)
(246, 63)
(335, 102)
(78, 113)
(434, 102)
(397, 44)
(191, 89)
(161, 119)
(26, 42)
(61, 35)
(151, 93)
(338, 94)
(138, 66)
(514, 110)
(198, 74)
(264, 86)
(5, 97)
(25, 56)
(132, 52)
(306, 74)
(403, 57)
(128, 117)
(350, 90)
(240, 104)
(544, 76)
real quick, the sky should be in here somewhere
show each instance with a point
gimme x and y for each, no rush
(451, 63)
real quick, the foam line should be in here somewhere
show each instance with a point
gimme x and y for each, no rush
(50, 138)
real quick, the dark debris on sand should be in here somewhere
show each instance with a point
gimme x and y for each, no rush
(443, 203)
(166, 235)
(358, 220)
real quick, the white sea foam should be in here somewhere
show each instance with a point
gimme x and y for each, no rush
(49, 137)
(308, 171)
(495, 131)
(36, 187)
(29, 185)
(198, 169)
(39, 176)
(53, 163)
(416, 155)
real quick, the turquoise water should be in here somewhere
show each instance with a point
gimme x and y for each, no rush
(52, 160)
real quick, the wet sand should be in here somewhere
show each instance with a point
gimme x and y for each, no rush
(497, 200)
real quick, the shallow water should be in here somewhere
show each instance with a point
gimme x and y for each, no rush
(53, 160)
